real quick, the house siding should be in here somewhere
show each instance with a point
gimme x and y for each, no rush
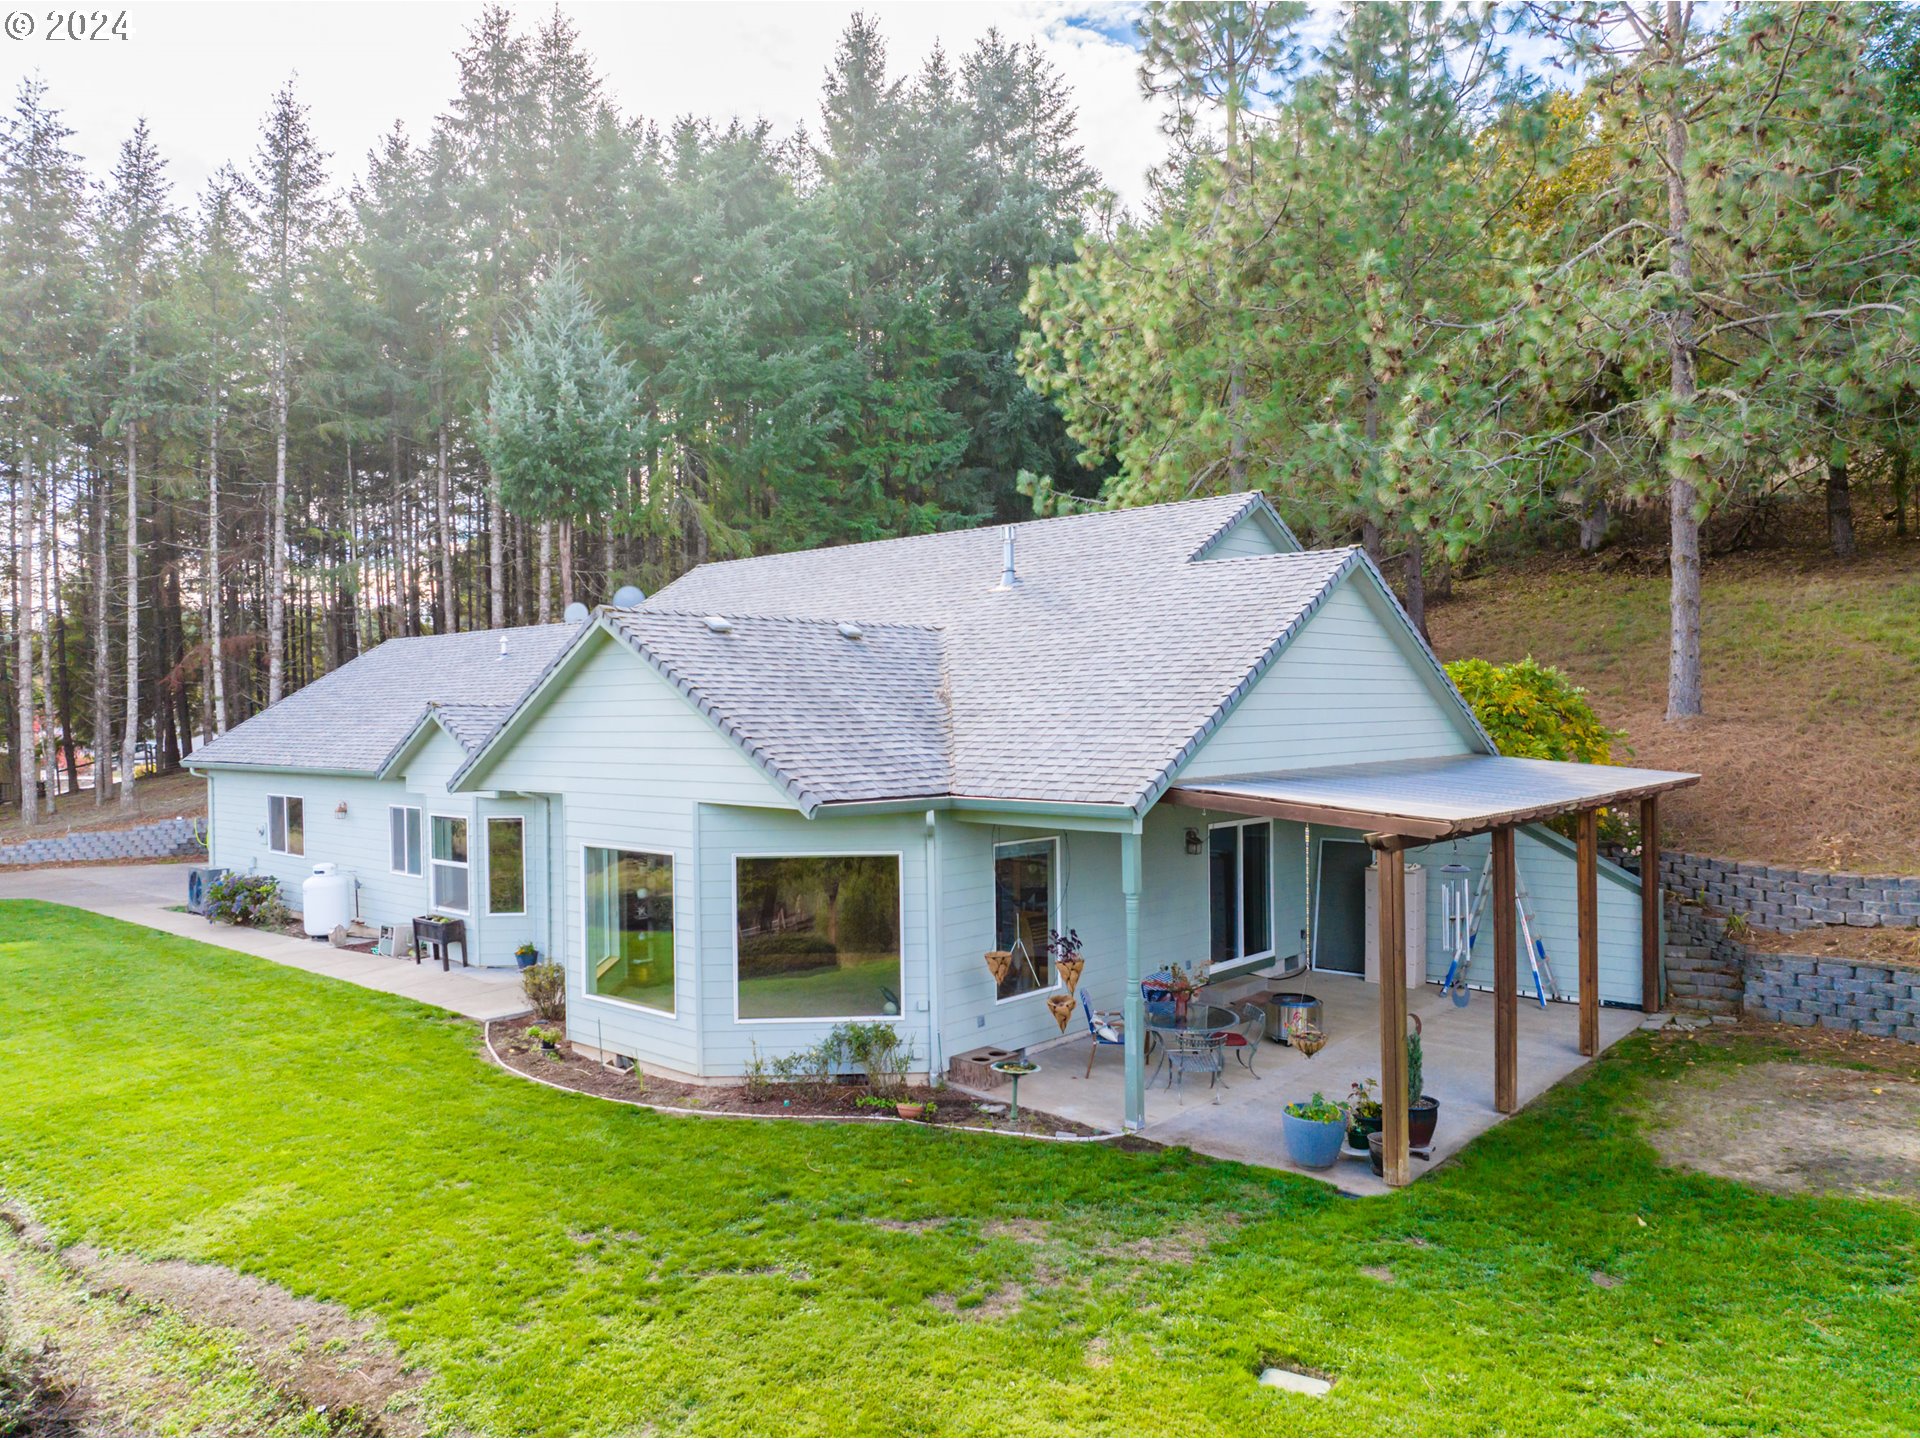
(1252, 534)
(632, 765)
(1547, 868)
(1345, 689)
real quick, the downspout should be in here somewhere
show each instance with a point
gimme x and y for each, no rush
(699, 1006)
(936, 1063)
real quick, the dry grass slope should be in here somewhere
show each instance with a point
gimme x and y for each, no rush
(1810, 750)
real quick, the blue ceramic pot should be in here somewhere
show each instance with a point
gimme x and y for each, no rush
(1312, 1144)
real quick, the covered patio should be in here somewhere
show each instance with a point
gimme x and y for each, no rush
(1240, 1120)
(1399, 805)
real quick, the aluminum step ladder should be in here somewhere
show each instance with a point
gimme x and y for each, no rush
(1536, 948)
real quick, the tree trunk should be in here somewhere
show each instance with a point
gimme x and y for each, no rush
(545, 610)
(1840, 510)
(566, 563)
(23, 533)
(66, 670)
(130, 732)
(496, 556)
(102, 644)
(443, 498)
(215, 630)
(1899, 463)
(277, 557)
(49, 727)
(1683, 660)
(1414, 574)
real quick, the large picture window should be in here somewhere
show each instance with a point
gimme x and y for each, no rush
(1023, 910)
(286, 825)
(818, 937)
(629, 897)
(1240, 890)
(403, 839)
(449, 857)
(506, 865)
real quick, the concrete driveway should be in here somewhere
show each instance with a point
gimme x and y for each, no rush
(142, 893)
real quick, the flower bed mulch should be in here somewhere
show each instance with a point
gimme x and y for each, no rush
(571, 1071)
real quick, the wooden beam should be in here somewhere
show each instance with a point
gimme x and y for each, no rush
(1196, 798)
(1396, 1169)
(1650, 915)
(1589, 919)
(1506, 978)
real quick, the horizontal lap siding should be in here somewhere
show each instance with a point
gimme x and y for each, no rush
(1547, 868)
(631, 761)
(1253, 534)
(357, 842)
(727, 831)
(1345, 690)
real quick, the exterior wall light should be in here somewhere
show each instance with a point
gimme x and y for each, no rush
(340, 811)
(1193, 840)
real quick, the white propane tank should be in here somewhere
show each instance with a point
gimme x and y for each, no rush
(326, 900)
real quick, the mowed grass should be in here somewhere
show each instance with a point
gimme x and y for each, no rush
(562, 1264)
(1810, 748)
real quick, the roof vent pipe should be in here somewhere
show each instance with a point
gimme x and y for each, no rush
(1007, 577)
(503, 648)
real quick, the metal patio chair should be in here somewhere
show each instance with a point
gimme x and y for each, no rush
(1195, 1051)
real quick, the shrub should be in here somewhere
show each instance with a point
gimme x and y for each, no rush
(248, 900)
(876, 1047)
(545, 986)
(793, 953)
(1536, 712)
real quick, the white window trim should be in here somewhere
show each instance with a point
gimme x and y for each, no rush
(301, 853)
(409, 874)
(428, 862)
(673, 856)
(1240, 910)
(1053, 923)
(733, 924)
(487, 822)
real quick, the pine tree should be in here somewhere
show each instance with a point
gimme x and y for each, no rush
(285, 191)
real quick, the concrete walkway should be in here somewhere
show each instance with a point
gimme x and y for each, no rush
(142, 893)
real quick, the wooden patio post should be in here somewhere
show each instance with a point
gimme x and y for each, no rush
(1589, 908)
(1506, 978)
(1134, 1005)
(1650, 911)
(1393, 1012)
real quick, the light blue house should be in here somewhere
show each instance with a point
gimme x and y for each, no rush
(790, 791)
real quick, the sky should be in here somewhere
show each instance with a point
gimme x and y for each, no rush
(202, 73)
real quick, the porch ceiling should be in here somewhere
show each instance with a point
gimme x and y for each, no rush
(1432, 799)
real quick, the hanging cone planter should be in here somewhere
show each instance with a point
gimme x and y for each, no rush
(1062, 1008)
(1070, 972)
(999, 962)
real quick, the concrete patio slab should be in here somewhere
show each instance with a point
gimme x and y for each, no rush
(1240, 1120)
(142, 894)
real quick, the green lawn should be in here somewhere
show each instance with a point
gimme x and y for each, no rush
(561, 1264)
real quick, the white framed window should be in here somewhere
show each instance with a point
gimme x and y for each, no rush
(403, 839)
(286, 825)
(448, 862)
(1026, 907)
(506, 865)
(627, 896)
(817, 937)
(1240, 890)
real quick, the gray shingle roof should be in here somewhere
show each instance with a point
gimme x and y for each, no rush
(472, 724)
(354, 718)
(1086, 683)
(830, 717)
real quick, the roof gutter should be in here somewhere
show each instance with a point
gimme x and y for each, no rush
(963, 804)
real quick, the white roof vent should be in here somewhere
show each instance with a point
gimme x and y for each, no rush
(503, 648)
(576, 614)
(852, 631)
(1008, 579)
(719, 624)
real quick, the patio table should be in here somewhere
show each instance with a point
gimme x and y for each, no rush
(1201, 1020)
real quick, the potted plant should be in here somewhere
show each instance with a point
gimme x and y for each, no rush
(913, 1109)
(527, 956)
(1313, 1130)
(1067, 962)
(1423, 1111)
(1364, 1116)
